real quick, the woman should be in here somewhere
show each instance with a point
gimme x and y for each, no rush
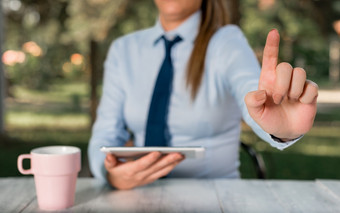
(216, 82)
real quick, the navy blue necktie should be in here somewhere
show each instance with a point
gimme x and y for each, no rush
(157, 133)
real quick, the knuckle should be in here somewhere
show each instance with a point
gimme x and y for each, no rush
(281, 89)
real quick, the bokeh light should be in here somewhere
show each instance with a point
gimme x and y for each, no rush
(32, 48)
(13, 57)
(77, 59)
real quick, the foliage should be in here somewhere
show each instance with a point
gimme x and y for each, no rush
(40, 22)
(303, 43)
(91, 20)
(62, 28)
(32, 73)
(139, 14)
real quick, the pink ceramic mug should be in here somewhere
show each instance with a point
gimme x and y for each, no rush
(55, 170)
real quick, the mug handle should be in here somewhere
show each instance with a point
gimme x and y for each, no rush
(21, 168)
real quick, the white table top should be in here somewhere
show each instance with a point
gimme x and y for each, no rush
(185, 195)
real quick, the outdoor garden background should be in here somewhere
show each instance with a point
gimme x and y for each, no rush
(53, 51)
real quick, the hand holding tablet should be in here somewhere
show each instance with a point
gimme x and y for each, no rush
(149, 164)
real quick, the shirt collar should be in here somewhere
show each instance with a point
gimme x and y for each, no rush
(188, 30)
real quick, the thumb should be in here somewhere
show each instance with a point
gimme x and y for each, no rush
(110, 161)
(255, 102)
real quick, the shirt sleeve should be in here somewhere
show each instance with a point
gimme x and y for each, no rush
(242, 74)
(109, 128)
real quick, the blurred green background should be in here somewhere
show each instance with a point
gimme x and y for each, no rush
(53, 52)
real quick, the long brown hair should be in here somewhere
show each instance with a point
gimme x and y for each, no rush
(214, 16)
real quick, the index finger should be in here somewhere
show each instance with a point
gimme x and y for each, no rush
(271, 51)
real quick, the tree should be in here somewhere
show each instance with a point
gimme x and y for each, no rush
(89, 23)
(62, 28)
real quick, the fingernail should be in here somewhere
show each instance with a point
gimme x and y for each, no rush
(261, 95)
(277, 98)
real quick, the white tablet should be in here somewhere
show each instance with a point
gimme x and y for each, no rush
(135, 152)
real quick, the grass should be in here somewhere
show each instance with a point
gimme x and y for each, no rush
(319, 141)
(51, 136)
(328, 117)
(59, 92)
(64, 105)
(24, 120)
(316, 155)
(60, 116)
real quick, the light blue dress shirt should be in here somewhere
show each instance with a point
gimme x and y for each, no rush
(212, 120)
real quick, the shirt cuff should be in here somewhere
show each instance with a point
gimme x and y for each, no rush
(282, 141)
(280, 144)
